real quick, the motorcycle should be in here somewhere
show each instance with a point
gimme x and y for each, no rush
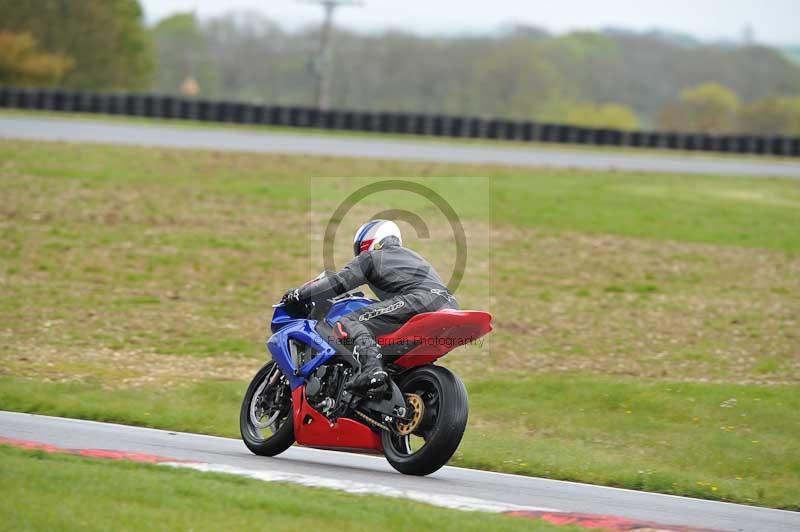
(416, 420)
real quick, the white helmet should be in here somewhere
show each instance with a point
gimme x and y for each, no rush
(371, 235)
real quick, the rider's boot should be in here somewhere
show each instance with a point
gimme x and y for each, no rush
(372, 374)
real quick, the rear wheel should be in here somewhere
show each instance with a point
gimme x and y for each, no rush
(265, 419)
(438, 399)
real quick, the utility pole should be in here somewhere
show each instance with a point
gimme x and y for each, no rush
(323, 65)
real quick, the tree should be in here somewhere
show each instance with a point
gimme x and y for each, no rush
(709, 107)
(520, 73)
(182, 53)
(22, 64)
(514, 80)
(609, 115)
(106, 38)
(772, 116)
(254, 61)
(587, 62)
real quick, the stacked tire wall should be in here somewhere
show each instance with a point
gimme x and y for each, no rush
(181, 108)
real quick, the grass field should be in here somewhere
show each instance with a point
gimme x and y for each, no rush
(646, 326)
(57, 492)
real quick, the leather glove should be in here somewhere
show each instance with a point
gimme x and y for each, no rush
(291, 297)
(294, 304)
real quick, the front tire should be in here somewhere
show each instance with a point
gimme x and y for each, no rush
(445, 418)
(265, 419)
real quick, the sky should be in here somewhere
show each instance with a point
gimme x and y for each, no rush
(773, 21)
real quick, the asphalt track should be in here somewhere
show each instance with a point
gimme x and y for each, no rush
(79, 130)
(360, 473)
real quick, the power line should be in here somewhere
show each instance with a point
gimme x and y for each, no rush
(323, 65)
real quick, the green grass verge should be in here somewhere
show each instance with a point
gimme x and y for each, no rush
(716, 210)
(58, 492)
(738, 211)
(723, 442)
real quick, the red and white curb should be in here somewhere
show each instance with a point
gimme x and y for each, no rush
(91, 453)
(456, 502)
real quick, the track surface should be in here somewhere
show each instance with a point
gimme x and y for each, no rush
(74, 130)
(449, 481)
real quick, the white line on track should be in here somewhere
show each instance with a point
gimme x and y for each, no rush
(455, 502)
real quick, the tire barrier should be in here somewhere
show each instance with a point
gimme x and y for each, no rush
(182, 108)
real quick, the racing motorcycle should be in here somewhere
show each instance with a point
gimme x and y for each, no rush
(416, 420)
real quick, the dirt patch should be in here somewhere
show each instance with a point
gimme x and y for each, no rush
(124, 369)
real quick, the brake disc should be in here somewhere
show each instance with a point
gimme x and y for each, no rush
(257, 412)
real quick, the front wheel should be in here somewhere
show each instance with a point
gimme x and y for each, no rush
(265, 420)
(438, 399)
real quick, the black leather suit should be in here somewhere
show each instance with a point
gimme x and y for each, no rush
(405, 283)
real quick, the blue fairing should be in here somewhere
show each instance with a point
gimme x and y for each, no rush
(302, 331)
(280, 319)
(345, 306)
(284, 328)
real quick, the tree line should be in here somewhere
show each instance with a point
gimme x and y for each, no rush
(605, 79)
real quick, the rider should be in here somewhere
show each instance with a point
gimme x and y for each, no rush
(405, 283)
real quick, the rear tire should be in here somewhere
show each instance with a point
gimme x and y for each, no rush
(282, 432)
(443, 426)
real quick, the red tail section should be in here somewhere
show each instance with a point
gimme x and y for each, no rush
(437, 333)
